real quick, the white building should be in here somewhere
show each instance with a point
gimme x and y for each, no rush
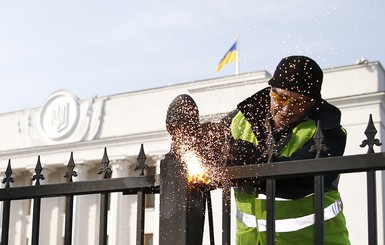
(124, 121)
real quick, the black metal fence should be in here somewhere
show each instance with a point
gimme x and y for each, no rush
(139, 186)
(182, 205)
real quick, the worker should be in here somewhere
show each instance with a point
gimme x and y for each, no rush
(286, 115)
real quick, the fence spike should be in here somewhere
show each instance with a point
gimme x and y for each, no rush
(370, 133)
(38, 175)
(141, 161)
(271, 148)
(8, 173)
(105, 170)
(70, 166)
(319, 146)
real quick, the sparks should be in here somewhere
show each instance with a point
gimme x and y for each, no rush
(196, 172)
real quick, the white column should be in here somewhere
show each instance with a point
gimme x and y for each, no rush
(21, 211)
(51, 209)
(86, 212)
(120, 215)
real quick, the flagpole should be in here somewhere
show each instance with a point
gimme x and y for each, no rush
(237, 59)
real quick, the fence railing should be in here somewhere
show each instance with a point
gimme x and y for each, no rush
(139, 186)
(182, 205)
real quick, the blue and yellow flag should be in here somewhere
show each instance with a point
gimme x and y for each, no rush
(230, 56)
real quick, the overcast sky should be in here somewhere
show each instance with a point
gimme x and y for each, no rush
(100, 47)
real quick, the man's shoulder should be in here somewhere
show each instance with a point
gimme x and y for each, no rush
(328, 114)
(227, 119)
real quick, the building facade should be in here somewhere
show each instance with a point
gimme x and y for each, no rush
(122, 122)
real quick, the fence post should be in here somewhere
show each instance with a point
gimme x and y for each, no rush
(370, 133)
(105, 171)
(182, 206)
(270, 192)
(319, 148)
(6, 206)
(36, 205)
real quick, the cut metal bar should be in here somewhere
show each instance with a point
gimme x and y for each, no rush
(36, 221)
(270, 221)
(319, 208)
(104, 199)
(68, 220)
(140, 218)
(182, 205)
(173, 202)
(226, 215)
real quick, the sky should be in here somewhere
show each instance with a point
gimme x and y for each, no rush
(101, 48)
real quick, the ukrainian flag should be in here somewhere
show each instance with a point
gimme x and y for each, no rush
(230, 56)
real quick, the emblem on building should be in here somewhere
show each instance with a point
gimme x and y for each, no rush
(59, 115)
(62, 119)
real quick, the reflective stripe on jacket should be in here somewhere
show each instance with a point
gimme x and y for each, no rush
(294, 218)
(289, 224)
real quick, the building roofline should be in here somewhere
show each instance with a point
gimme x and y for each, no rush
(243, 77)
(354, 66)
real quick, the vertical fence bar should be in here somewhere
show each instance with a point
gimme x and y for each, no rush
(270, 192)
(36, 221)
(68, 220)
(319, 148)
(69, 202)
(319, 208)
(36, 205)
(372, 207)
(6, 206)
(5, 223)
(226, 215)
(105, 171)
(140, 218)
(370, 141)
(141, 198)
(104, 199)
(270, 221)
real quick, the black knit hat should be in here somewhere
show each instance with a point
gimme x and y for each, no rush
(299, 74)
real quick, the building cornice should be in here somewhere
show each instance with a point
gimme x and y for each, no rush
(122, 142)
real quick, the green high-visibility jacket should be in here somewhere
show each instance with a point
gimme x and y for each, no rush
(294, 217)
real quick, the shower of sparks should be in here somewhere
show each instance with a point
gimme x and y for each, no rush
(201, 147)
(196, 172)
